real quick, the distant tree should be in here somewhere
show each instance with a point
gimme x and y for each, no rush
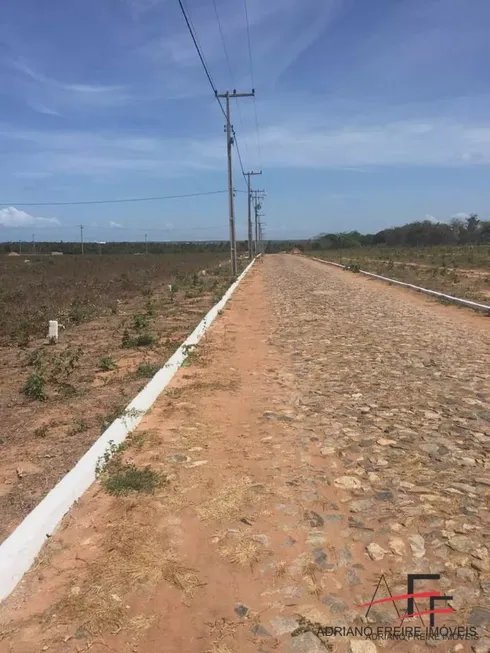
(484, 235)
(472, 227)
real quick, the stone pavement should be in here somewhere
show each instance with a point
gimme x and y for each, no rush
(331, 431)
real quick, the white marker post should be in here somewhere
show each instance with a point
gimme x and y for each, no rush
(53, 331)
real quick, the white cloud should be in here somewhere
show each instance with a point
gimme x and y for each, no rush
(293, 143)
(47, 111)
(115, 225)
(461, 216)
(44, 92)
(431, 218)
(12, 217)
(90, 89)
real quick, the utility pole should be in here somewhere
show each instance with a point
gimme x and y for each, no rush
(261, 234)
(81, 237)
(250, 243)
(258, 197)
(229, 144)
(256, 233)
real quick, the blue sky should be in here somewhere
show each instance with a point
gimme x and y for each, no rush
(371, 114)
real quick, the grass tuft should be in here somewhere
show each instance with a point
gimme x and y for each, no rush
(123, 478)
(106, 364)
(146, 370)
(34, 388)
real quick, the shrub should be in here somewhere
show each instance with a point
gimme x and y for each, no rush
(123, 478)
(34, 388)
(146, 370)
(106, 364)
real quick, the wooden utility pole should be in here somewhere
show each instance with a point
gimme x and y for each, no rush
(229, 144)
(249, 192)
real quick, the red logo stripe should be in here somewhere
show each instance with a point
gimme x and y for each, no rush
(418, 595)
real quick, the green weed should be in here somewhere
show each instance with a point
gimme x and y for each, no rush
(106, 364)
(34, 388)
(126, 341)
(123, 478)
(35, 358)
(80, 427)
(144, 340)
(120, 478)
(140, 322)
(146, 370)
(107, 419)
(150, 307)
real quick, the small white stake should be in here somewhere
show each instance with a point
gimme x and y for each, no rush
(53, 331)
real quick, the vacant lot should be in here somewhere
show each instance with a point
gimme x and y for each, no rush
(332, 431)
(122, 322)
(460, 271)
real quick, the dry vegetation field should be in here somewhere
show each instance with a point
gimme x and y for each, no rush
(460, 271)
(122, 322)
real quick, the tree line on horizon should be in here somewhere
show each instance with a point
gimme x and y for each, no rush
(118, 248)
(459, 231)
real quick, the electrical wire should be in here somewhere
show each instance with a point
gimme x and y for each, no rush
(253, 82)
(115, 201)
(208, 75)
(238, 153)
(163, 197)
(232, 77)
(114, 230)
(198, 49)
(223, 42)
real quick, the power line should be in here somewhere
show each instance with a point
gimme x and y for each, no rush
(208, 75)
(198, 49)
(238, 153)
(116, 201)
(166, 229)
(223, 42)
(108, 227)
(253, 82)
(232, 78)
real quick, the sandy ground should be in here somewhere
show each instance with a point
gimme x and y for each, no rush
(330, 430)
(42, 440)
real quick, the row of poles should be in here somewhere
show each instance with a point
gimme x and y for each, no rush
(255, 197)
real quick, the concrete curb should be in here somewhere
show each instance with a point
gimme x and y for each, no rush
(455, 300)
(19, 550)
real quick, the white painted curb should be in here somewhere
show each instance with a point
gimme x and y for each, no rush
(455, 300)
(19, 550)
